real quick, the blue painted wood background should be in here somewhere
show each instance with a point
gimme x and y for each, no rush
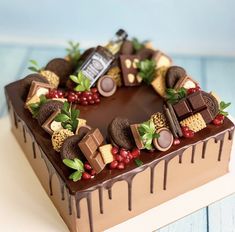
(214, 73)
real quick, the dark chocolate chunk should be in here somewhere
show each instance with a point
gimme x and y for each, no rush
(26, 83)
(182, 109)
(173, 75)
(127, 48)
(47, 109)
(165, 140)
(129, 70)
(145, 53)
(70, 148)
(62, 68)
(196, 101)
(211, 103)
(170, 121)
(106, 86)
(206, 115)
(135, 132)
(175, 120)
(120, 132)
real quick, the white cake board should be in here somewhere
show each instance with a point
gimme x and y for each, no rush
(25, 206)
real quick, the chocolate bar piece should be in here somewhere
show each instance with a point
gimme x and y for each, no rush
(182, 109)
(145, 53)
(207, 116)
(135, 132)
(50, 125)
(186, 82)
(196, 101)
(89, 146)
(127, 48)
(38, 89)
(129, 70)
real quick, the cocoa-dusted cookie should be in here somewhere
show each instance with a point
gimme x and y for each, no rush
(211, 103)
(120, 132)
(173, 75)
(47, 109)
(26, 83)
(145, 53)
(62, 68)
(70, 148)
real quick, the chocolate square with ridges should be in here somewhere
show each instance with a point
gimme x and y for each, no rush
(196, 101)
(207, 116)
(182, 109)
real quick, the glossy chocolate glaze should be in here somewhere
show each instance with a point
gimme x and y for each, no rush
(135, 103)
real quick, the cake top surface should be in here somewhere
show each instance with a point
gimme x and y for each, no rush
(112, 111)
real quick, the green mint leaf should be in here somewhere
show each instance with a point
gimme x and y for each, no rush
(61, 118)
(156, 136)
(80, 164)
(87, 84)
(33, 69)
(147, 70)
(80, 88)
(71, 164)
(74, 125)
(66, 107)
(75, 176)
(137, 45)
(138, 162)
(74, 114)
(34, 62)
(74, 79)
(68, 126)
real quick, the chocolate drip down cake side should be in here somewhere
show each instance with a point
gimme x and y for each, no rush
(117, 130)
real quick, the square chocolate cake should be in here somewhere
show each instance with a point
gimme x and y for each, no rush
(111, 136)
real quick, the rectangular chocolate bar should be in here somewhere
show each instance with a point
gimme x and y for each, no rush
(89, 147)
(129, 70)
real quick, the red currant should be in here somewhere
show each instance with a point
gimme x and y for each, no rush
(185, 128)
(135, 152)
(217, 122)
(114, 150)
(86, 176)
(94, 90)
(97, 100)
(91, 102)
(220, 117)
(189, 134)
(87, 166)
(95, 96)
(118, 158)
(113, 164)
(92, 172)
(126, 161)
(176, 142)
(84, 103)
(71, 98)
(123, 153)
(121, 166)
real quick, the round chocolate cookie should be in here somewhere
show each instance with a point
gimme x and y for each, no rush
(47, 109)
(25, 84)
(70, 148)
(165, 140)
(211, 102)
(120, 132)
(145, 53)
(106, 86)
(62, 68)
(173, 74)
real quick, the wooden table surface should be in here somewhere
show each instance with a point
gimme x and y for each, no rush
(213, 73)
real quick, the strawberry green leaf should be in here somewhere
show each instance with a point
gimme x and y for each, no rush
(76, 176)
(74, 79)
(80, 164)
(80, 88)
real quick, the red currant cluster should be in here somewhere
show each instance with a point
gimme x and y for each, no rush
(193, 90)
(55, 93)
(89, 172)
(84, 98)
(219, 120)
(122, 157)
(176, 141)
(187, 133)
